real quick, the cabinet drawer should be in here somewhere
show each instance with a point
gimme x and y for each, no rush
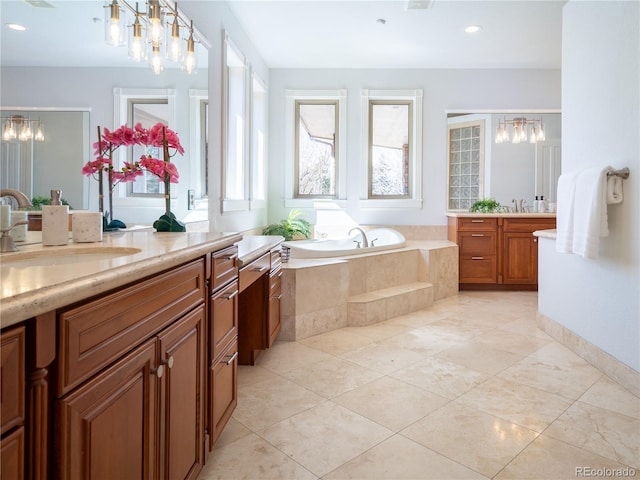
(12, 455)
(12, 352)
(254, 270)
(225, 267)
(478, 243)
(528, 224)
(97, 333)
(275, 282)
(473, 224)
(478, 269)
(223, 394)
(224, 309)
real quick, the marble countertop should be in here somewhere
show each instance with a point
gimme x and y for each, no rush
(551, 234)
(500, 215)
(254, 246)
(28, 289)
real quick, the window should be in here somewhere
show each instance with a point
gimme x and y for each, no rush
(199, 142)
(315, 152)
(258, 141)
(392, 138)
(466, 161)
(234, 153)
(315, 146)
(147, 112)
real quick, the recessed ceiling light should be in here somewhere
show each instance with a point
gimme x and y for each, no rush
(16, 26)
(473, 28)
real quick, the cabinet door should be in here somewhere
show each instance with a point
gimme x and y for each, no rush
(275, 294)
(182, 352)
(12, 378)
(12, 455)
(223, 390)
(107, 427)
(224, 319)
(520, 259)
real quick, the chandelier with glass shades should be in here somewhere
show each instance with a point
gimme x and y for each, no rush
(520, 131)
(154, 36)
(18, 127)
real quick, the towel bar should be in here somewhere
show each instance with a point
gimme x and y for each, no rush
(623, 173)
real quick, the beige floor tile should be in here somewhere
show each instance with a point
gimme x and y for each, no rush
(286, 356)
(383, 358)
(447, 379)
(457, 327)
(425, 340)
(402, 459)
(391, 403)
(338, 341)
(517, 403)
(324, 437)
(548, 458)
(379, 331)
(332, 377)
(481, 358)
(233, 431)
(475, 439)
(265, 403)
(525, 326)
(507, 341)
(418, 319)
(555, 369)
(606, 393)
(603, 432)
(248, 375)
(252, 458)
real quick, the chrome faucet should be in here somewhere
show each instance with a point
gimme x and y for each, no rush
(21, 198)
(365, 242)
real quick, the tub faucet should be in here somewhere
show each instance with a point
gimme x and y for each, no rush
(365, 242)
(21, 198)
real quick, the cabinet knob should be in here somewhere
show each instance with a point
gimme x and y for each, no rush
(259, 269)
(477, 234)
(167, 361)
(477, 258)
(158, 371)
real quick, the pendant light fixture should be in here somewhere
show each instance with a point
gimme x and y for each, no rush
(520, 130)
(153, 35)
(18, 127)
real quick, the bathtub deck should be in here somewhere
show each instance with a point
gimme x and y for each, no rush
(320, 295)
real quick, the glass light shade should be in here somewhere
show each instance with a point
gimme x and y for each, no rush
(39, 135)
(115, 32)
(156, 60)
(156, 27)
(25, 132)
(137, 48)
(533, 138)
(541, 135)
(9, 131)
(174, 43)
(190, 62)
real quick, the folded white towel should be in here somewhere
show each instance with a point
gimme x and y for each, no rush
(565, 211)
(590, 212)
(614, 190)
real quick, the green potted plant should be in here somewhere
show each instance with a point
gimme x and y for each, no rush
(486, 205)
(290, 228)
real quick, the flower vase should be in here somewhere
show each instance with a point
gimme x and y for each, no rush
(168, 222)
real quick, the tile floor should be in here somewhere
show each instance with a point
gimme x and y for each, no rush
(467, 389)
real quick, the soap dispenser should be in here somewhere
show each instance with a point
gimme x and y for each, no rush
(55, 221)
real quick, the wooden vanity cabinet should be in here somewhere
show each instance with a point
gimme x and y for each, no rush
(275, 296)
(131, 381)
(223, 342)
(498, 252)
(12, 403)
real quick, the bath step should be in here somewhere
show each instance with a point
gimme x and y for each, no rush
(379, 305)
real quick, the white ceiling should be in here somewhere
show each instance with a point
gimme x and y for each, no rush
(317, 34)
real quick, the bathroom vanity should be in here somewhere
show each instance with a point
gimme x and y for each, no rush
(119, 358)
(498, 251)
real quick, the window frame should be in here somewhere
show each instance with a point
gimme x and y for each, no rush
(414, 198)
(255, 156)
(291, 173)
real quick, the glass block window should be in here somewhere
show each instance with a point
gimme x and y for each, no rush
(466, 160)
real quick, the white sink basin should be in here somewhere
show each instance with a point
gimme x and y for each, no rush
(63, 256)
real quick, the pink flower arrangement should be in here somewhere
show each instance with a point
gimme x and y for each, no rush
(158, 136)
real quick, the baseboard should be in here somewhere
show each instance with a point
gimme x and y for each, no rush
(610, 366)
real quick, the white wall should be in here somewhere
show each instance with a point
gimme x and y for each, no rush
(599, 299)
(443, 89)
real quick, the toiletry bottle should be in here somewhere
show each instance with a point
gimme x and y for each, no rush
(542, 205)
(55, 221)
(536, 203)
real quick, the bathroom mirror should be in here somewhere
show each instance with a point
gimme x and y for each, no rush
(478, 167)
(35, 167)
